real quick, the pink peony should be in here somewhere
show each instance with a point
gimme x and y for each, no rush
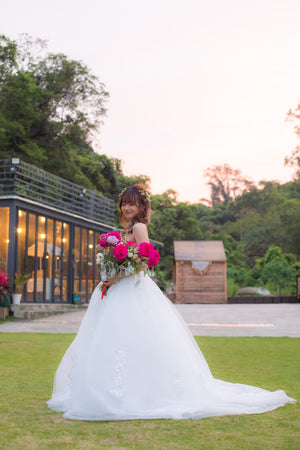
(103, 243)
(4, 282)
(116, 234)
(103, 240)
(120, 252)
(145, 248)
(153, 258)
(129, 243)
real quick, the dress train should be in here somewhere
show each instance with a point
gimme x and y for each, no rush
(134, 358)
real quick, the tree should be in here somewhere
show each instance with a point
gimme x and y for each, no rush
(50, 106)
(226, 184)
(277, 268)
(8, 53)
(172, 220)
(50, 109)
(294, 159)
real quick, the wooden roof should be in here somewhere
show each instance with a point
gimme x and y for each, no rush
(199, 251)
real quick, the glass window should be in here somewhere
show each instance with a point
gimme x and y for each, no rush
(96, 273)
(84, 264)
(48, 260)
(91, 265)
(61, 261)
(57, 254)
(32, 251)
(4, 240)
(77, 259)
(21, 233)
(85, 272)
(65, 261)
(42, 283)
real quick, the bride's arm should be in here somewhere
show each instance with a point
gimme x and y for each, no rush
(140, 234)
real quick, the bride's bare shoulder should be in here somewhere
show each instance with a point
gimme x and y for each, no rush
(139, 226)
(140, 232)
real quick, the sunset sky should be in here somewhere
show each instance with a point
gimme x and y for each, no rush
(192, 83)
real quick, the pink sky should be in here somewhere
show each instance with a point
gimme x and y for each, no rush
(193, 83)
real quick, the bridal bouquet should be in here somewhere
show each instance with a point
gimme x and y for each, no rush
(115, 256)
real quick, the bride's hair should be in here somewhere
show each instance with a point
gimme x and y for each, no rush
(141, 198)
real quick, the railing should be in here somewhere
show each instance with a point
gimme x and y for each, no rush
(264, 299)
(18, 178)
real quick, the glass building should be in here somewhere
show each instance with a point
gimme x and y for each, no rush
(49, 230)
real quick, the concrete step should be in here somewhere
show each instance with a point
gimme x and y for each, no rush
(33, 311)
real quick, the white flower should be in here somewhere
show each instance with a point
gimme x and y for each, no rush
(112, 240)
(99, 258)
(103, 276)
(112, 272)
(129, 270)
(130, 254)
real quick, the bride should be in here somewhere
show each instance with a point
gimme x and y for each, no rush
(134, 357)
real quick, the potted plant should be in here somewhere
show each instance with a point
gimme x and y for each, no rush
(19, 281)
(77, 297)
(4, 295)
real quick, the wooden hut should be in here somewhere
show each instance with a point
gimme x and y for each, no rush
(200, 272)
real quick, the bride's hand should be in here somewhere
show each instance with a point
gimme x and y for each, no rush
(110, 281)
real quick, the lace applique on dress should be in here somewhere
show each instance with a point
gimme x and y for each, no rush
(178, 385)
(118, 389)
(69, 374)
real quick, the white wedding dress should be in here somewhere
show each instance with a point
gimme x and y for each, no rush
(134, 358)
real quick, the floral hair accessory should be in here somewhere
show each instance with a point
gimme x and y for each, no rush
(123, 192)
(144, 194)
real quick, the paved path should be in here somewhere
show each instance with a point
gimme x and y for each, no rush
(203, 320)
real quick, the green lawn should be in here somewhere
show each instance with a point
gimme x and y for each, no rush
(28, 363)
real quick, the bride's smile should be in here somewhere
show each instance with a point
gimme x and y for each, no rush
(130, 210)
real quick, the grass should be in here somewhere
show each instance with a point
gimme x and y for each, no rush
(28, 363)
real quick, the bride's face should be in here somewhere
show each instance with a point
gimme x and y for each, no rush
(129, 210)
